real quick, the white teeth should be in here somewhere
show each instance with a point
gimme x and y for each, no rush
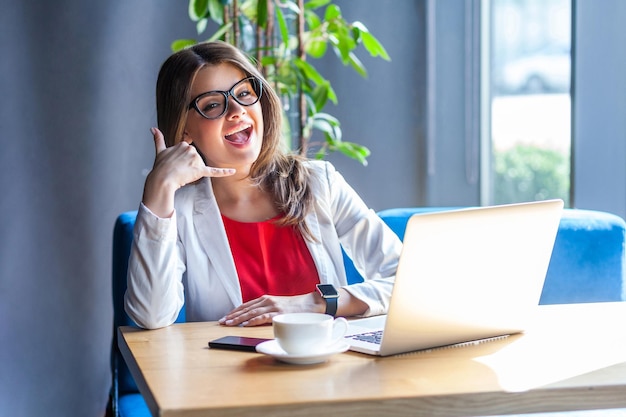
(237, 131)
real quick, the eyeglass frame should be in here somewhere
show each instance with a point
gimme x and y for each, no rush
(194, 102)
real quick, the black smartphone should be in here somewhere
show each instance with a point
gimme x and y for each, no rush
(246, 344)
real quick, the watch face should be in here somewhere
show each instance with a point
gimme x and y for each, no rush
(327, 290)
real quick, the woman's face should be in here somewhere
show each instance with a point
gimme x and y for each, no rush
(233, 140)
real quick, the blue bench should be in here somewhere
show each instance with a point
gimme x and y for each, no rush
(587, 265)
(125, 399)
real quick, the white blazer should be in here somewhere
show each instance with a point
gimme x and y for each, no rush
(186, 259)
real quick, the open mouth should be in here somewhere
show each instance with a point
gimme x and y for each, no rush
(240, 137)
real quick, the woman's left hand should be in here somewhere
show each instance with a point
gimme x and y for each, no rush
(261, 310)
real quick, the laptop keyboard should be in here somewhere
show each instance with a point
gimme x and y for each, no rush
(371, 337)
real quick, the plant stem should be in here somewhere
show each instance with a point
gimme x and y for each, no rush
(270, 43)
(236, 28)
(304, 141)
(226, 11)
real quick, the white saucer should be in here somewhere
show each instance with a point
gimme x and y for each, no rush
(272, 348)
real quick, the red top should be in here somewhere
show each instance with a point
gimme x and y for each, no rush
(270, 259)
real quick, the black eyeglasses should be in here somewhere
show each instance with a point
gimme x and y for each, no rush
(214, 104)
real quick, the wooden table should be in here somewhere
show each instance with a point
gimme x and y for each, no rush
(573, 358)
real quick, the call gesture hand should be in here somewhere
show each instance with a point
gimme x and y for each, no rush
(173, 168)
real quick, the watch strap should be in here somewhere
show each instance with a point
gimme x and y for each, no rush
(331, 305)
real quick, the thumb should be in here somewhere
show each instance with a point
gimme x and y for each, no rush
(159, 140)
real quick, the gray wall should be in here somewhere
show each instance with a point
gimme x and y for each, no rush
(386, 110)
(77, 82)
(599, 101)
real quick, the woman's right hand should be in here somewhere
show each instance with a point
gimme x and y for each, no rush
(173, 168)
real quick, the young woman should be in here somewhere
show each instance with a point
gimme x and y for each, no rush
(233, 227)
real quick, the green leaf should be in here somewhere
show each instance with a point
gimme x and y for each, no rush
(328, 124)
(326, 128)
(216, 11)
(326, 92)
(357, 65)
(354, 151)
(248, 8)
(343, 43)
(332, 96)
(359, 26)
(316, 48)
(308, 74)
(373, 46)
(180, 44)
(221, 31)
(332, 12)
(321, 152)
(291, 6)
(201, 25)
(261, 13)
(282, 25)
(312, 20)
(314, 4)
(320, 96)
(309, 71)
(268, 60)
(198, 9)
(328, 118)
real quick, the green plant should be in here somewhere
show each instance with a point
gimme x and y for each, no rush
(281, 35)
(529, 173)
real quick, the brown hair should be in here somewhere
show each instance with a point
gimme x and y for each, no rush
(281, 174)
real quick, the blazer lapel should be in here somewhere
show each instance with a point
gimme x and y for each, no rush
(209, 226)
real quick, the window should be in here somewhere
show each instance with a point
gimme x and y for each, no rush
(529, 101)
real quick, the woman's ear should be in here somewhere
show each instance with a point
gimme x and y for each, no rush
(189, 140)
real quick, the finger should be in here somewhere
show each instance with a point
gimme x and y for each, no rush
(187, 138)
(219, 172)
(253, 317)
(236, 319)
(159, 140)
(229, 319)
(247, 310)
(242, 313)
(259, 320)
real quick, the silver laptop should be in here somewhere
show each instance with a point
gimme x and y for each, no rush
(464, 275)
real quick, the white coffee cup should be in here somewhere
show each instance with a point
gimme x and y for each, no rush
(308, 333)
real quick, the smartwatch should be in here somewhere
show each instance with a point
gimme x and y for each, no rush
(330, 295)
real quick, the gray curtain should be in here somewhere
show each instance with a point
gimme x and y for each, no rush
(77, 83)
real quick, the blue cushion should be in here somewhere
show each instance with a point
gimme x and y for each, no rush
(587, 263)
(122, 240)
(132, 405)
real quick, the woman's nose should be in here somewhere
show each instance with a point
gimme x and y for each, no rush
(234, 109)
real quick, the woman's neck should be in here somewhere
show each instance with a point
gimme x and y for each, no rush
(243, 200)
